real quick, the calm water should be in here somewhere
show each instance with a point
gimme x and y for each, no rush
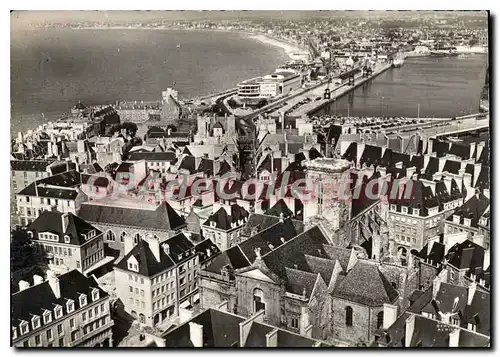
(52, 69)
(444, 87)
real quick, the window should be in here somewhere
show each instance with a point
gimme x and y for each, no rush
(70, 306)
(182, 281)
(59, 329)
(348, 316)
(35, 322)
(110, 236)
(90, 314)
(380, 319)
(122, 236)
(61, 342)
(258, 300)
(142, 304)
(26, 343)
(72, 323)
(142, 280)
(37, 340)
(83, 300)
(95, 294)
(74, 335)
(130, 289)
(295, 322)
(47, 317)
(84, 316)
(102, 308)
(130, 277)
(66, 239)
(96, 311)
(24, 327)
(49, 334)
(142, 293)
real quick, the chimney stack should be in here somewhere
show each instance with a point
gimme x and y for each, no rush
(246, 325)
(37, 279)
(64, 221)
(23, 285)
(272, 338)
(128, 244)
(470, 293)
(454, 338)
(409, 328)
(154, 245)
(390, 315)
(54, 283)
(196, 334)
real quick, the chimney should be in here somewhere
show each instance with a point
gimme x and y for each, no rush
(196, 334)
(64, 221)
(486, 192)
(390, 315)
(37, 279)
(209, 253)
(470, 292)
(23, 285)
(80, 144)
(272, 338)
(247, 324)
(472, 150)
(54, 283)
(128, 244)
(454, 337)
(436, 284)
(55, 149)
(409, 328)
(281, 217)
(480, 147)
(154, 245)
(430, 243)
(430, 143)
(447, 182)
(467, 180)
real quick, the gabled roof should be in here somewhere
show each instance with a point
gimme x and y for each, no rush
(300, 282)
(280, 208)
(29, 165)
(233, 257)
(163, 217)
(51, 222)
(472, 209)
(153, 156)
(367, 285)
(37, 298)
(223, 220)
(466, 255)
(148, 265)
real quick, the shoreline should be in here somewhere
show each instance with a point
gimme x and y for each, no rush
(293, 51)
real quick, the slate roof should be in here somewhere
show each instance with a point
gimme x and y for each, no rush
(279, 208)
(366, 284)
(460, 150)
(66, 193)
(153, 156)
(201, 249)
(163, 217)
(233, 257)
(223, 221)
(300, 282)
(219, 330)
(258, 222)
(321, 266)
(466, 255)
(188, 163)
(30, 165)
(37, 298)
(452, 166)
(51, 222)
(372, 155)
(292, 253)
(337, 253)
(478, 312)
(270, 236)
(473, 209)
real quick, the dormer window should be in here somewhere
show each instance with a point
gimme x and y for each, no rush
(456, 219)
(35, 322)
(467, 222)
(84, 236)
(91, 234)
(14, 333)
(416, 211)
(83, 300)
(24, 327)
(393, 207)
(404, 209)
(70, 306)
(30, 234)
(66, 239)
(95, 294)
(47, 317)
(58, 312)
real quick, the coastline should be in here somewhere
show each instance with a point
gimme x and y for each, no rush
(293, 51)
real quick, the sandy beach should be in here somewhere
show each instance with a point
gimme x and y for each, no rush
(293, 51)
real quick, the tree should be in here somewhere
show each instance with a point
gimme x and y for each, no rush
(25, 259)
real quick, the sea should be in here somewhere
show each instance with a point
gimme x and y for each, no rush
(437, 87)
(54, 68)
